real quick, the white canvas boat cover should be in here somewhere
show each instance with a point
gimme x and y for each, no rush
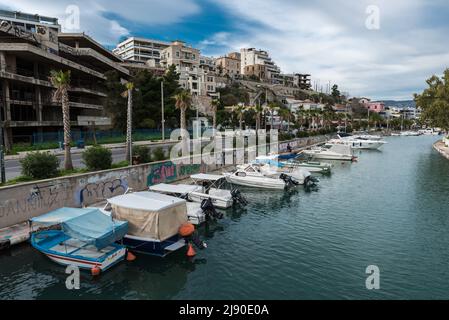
(206, 177)
(174, 188)
(150, 215)
(341, 149)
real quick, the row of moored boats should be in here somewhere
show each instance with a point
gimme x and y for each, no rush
(164, 218)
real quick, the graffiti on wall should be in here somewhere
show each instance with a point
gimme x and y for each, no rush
(161, 172)
(98, 191)
(48, 196)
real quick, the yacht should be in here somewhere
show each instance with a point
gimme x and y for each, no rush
(332, 152)
(250, 175)
(359, 141)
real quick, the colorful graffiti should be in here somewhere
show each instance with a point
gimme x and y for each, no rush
(95, 192)
(162, 172)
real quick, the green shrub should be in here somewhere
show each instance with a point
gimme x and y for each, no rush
(120, 164)
(97, 158)
(143, 152)
(158, 154)
(40, 165)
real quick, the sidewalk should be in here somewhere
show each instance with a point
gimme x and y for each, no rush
(76, 150)
(441, 147)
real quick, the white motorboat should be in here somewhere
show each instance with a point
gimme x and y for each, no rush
(249, 175)
(358, 143)
(311, 166)
(331, 152)
(196, 211)
(365, 136)
(410, 133)
(429, 132)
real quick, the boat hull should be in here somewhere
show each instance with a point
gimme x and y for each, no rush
(330, 156)
(106, 261)
(152, 247)
(264, 183)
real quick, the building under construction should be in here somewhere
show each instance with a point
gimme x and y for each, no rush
(30, 47)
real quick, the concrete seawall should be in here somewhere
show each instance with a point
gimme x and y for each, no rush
(442, 148)
(19, 203)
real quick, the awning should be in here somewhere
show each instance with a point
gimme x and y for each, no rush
(61, 215)
(174, 188)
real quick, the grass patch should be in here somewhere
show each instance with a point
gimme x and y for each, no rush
(120, 164)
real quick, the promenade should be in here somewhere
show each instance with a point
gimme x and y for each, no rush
(441, 147)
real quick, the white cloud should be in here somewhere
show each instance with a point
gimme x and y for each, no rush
(329, 39)
(95, 14)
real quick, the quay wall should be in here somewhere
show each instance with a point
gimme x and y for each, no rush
(19, 203)
(442, 147)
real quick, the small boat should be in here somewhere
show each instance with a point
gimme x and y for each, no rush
(86, 238)
(249, 175)
(297, 162)
(155, 221)
(358, 143)
(410, 133)
(196, 212)
(429, 132)
(206, 186)
(331, 152)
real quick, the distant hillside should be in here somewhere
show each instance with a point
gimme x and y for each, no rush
(400, 104)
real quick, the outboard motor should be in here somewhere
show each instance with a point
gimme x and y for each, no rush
(188, 232)
(289, 181)
(310, 183)
(238, 197)
(209, 209)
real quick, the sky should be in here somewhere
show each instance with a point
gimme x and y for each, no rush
(373, 48)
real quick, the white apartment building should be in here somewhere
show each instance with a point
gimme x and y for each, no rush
(196, 72)
(140, 49)
(30, 22)
(251, 57)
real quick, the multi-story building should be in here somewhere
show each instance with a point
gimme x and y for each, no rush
(29, 22)
(262, 62)
(196, 72)
(229, 65)
(26, 58)
(302, 81)
(375, 106)
(140, 49)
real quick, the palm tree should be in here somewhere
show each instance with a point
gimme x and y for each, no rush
(214, 106)
(61, 80)
(128, 93)
(272, 106)
(240, 110)
(183, 102)
(258, 109)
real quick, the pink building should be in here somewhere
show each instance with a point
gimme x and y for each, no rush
(376, 106)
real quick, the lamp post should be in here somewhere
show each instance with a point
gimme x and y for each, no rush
(2, 157)
(162, 111)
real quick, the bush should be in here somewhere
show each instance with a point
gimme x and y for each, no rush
(40, 165)
(97, 158)
(143, 152)
(158, 154)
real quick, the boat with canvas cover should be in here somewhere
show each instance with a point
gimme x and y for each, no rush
(86, 238)
(250, 175)
(154, 221)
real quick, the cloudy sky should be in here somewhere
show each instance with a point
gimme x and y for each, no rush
(384, 56)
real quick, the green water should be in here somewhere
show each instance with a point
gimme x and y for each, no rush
(390, 209)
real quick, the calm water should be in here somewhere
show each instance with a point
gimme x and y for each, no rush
(390, 209)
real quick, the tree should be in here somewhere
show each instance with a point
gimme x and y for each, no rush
(129, 94)
(336, 93)
(61, 81)
(240, 110)
(183, 103)
(214, 107)
(434, 101)
(272, 106)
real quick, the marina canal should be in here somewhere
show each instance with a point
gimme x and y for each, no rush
(389, 209)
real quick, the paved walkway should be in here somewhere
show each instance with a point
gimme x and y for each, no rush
(442, 148)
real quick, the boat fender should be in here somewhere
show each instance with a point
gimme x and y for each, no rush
(186, 230)
(190, 251)
(130, 256)
(95, 271)
(5, 244)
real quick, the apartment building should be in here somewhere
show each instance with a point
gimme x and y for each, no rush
(196, 72)
(262, 63)
(27, 55)
(229, 65)
(140, 49)
(302, 81)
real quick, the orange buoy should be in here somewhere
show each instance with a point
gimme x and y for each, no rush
(190, 251)
(95, 270)
(130, 256)
(186, 230)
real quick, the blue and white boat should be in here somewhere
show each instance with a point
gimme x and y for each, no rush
(81, 237)
(154, 221)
